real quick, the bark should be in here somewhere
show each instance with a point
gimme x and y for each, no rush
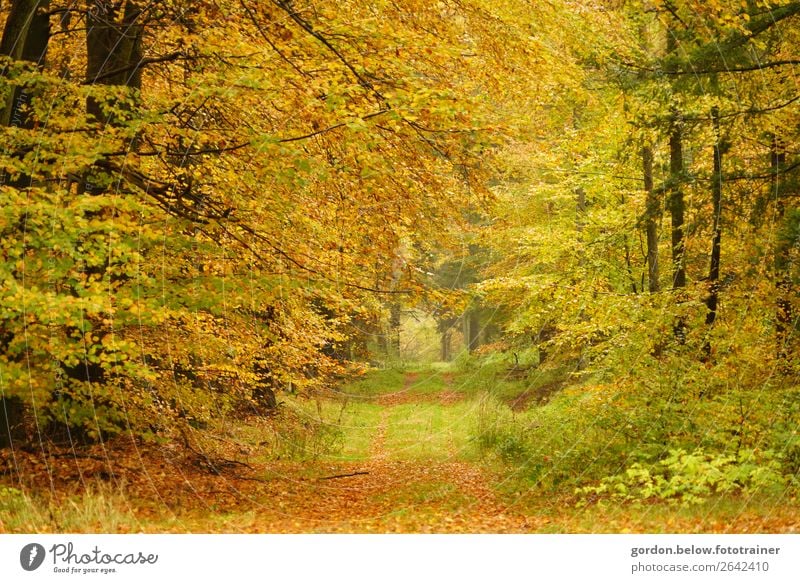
(113, 48)
(651, 224)
(676, 175)
(783, 282)
(473, 330)
(25, 20)
(11, 419)
(677, 204)
(114, 57)
(677, 208)
(394, 329)
(712, 301)
(445, 345)
(580, 209)
(25, 38)
(445, 328)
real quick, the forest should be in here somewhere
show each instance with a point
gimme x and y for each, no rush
(399, 266)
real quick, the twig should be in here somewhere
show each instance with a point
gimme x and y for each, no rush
(342, 476)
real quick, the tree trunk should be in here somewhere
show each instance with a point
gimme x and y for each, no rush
(394, 329)
(25, 38)
(473, 330)
(114, 47)
(11, 417)
(783, 282)
(651, 225)
(580, 209)
(677, 205)
(712, 300)
(113, 58)
(677, 208)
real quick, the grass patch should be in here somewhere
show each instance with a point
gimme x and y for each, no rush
(375, 383)
(354, 422)
(425, 383)
(430, 431)
(98, 510)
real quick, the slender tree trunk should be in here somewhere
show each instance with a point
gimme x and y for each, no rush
(783, 282)
(712, 301)
(445, 344)
(394, 329)
(677, 207)
(473, 330)
(628, 264)
(676, 202)
(651, 224)
(580, 209)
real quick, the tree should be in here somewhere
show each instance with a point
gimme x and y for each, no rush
(207, 209)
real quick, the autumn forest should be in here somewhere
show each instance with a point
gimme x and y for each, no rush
(399, 266)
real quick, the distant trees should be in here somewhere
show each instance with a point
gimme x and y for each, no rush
(700, 90)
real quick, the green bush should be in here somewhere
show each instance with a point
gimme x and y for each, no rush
(690, 478)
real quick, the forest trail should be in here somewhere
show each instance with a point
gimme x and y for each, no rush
(388, 492)
(407, 466)
(410, 474)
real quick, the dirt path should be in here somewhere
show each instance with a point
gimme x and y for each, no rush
(391, 490)
(384, 494)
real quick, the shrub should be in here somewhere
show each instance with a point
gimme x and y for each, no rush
(690, 478)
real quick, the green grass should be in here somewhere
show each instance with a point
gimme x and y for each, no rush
(359, 426)
(431, 431)
(354, 422)
(376, 382)
(426, 383)
(99, 509)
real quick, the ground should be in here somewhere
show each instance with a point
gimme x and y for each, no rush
(393, 453)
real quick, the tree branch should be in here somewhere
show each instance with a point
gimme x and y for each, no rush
(174, 56)
(306, 26)
(266, 38)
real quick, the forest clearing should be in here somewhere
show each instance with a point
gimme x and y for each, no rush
(399, 266)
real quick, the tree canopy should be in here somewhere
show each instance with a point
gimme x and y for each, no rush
(208, 205)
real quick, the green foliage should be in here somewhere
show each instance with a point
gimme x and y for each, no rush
(547, 447)
(690, 478)
(12, 500)
(98, 509)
